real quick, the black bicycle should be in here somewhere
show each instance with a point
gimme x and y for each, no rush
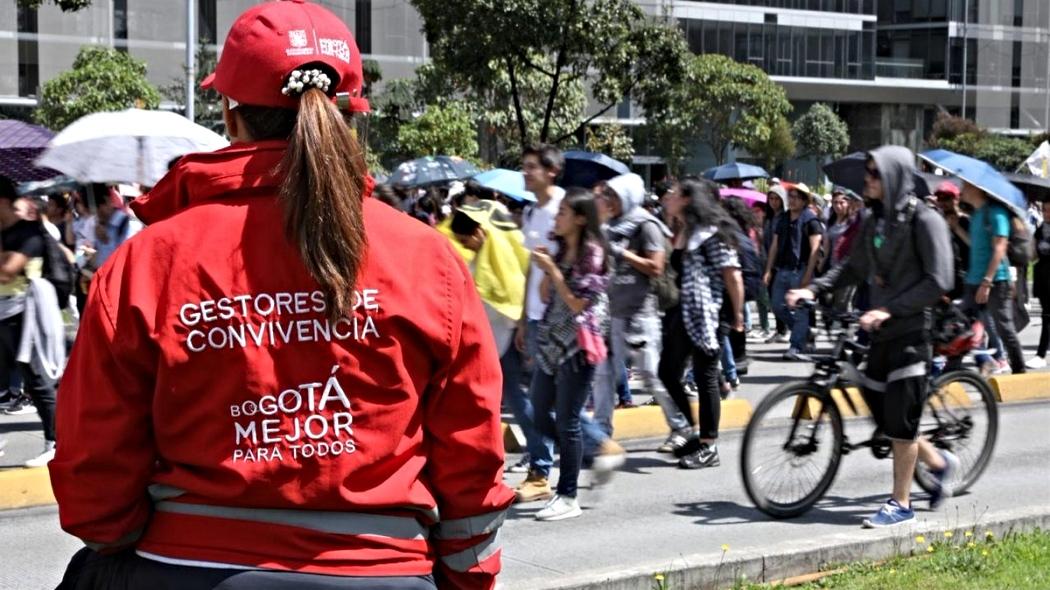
(795, 440)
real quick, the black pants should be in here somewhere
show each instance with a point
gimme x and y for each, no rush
(39, 387)
(1044, 335)
(1000, 308)
(89, 570)
(677, 348)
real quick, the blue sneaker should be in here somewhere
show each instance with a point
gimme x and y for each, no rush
(890, 515)
(942, 490)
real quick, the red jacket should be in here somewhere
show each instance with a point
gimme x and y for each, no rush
(211, 413)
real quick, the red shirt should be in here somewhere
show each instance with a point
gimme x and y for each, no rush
(211, 411)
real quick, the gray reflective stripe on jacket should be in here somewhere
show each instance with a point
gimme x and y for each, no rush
(473, 526)
(340, 523)
(472, 557)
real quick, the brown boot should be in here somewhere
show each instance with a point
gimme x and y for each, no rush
(534, 489)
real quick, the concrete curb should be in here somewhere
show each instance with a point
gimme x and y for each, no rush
(724, 570)
(22, 488)
(1015, 388)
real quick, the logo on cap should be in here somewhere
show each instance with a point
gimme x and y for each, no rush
(298, 40)
(336, 48)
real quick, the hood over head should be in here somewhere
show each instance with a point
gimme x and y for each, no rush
(779, 191)
(896, 166)
(631, 190)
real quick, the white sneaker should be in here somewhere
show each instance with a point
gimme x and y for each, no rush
(44, 458)
(559, 508)
(1036, 362)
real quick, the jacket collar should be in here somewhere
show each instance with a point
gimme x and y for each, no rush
(238, 170)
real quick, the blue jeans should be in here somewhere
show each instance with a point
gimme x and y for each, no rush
(728, 361)
(796, 319)
(539, 448)
(558, 400)
(623, 386)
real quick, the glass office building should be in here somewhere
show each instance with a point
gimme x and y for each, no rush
(38, 44)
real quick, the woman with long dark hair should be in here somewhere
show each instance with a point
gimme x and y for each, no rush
(708, 268)
(289, 400)
(572, 344)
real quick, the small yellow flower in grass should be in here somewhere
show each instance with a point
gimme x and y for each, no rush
(659, 577)
(929, 549)
(920, 539)
(989, 535)
(893, 571)
(984, 553)
(948, 534)
(971, 544)
(968, 534)
(725, 547)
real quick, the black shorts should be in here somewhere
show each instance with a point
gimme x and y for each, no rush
(895, 386)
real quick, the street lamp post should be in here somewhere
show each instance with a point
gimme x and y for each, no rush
(191, 58)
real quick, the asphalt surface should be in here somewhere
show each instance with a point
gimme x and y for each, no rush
(652, 512)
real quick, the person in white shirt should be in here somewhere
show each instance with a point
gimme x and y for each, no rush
(541, 165)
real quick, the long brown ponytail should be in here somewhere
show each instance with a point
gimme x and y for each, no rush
(325, 171)
(324, 182)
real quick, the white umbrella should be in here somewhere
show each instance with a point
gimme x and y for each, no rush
(126, 146)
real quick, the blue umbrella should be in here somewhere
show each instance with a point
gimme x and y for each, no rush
(586, 169)
(735, 171)
(506, 182)
(432, 170)
(982, 175)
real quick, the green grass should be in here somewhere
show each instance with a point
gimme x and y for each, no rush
(1016, 562)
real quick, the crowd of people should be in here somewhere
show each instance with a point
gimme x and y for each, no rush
(52, 245)
(669, 286)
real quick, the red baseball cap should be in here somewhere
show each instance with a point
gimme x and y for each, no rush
(947, 188)
(271, 40)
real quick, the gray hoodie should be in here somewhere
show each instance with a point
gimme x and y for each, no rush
(903, 252)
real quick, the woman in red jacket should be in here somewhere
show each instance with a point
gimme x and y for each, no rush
(266, 392)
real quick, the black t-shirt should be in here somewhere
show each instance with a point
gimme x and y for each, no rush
(26, 237)
(786, 233)
(678, 264)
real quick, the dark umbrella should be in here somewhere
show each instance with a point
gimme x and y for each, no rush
(735, 171)
(586, 169)
(1034, 187)
(20, 144)
(848, 172)
(432, 170)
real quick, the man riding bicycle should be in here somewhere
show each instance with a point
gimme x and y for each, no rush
(904, 253)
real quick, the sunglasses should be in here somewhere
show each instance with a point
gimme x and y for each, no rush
(872, 172)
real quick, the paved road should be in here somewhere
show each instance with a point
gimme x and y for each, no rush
(654, 512)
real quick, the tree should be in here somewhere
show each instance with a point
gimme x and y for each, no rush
(612, 140)
(778, 148)
(1005, 153)
(446, 130)
(948, 127)
(207, 107)
(102, 79)
(535, 50)
(725, 103)
(821, 133)
(65, 5)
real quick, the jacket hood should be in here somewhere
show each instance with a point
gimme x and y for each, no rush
(779, 191)
(897, 169)
(631, 190)
(239, 169)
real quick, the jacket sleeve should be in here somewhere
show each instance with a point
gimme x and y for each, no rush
(851, 270)
(934, 244)
(465, 445)
(106, 454)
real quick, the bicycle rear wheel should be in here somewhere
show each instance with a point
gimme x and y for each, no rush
(792, 449)
(961, 416)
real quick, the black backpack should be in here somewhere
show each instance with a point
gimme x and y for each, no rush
(665, 286)
(58, 269)
(1020, 250)
(750, 266)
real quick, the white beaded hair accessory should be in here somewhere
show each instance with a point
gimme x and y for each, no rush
(300, 80)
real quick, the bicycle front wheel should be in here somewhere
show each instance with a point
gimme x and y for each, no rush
(960, 416)
(792, 449)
